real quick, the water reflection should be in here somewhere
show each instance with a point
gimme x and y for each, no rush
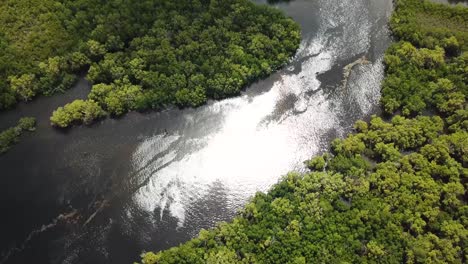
(164, 176)
(262, 136)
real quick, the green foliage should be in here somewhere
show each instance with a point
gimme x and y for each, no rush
(77, 112)
(418, 75)
(393, 192)
(27, 124)
(153, 53)
(317, 163)
(32, 32)
(7, 138)
(148, 258)
(11, 135)
(184, 52)
(427, 24)
(194, 98)
(24, 86)
(117, 97)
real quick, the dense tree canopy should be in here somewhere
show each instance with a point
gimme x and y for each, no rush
(140, 54)
(392, 192)
(427, 68)
(32, 33)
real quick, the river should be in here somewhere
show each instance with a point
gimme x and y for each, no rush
(149, 181)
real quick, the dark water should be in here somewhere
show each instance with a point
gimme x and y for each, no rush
(104, 193)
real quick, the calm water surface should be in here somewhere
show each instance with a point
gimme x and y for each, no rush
(104, 193)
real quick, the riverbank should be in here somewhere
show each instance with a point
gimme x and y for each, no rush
(392, 192)
(179, 54)
(11, 136)
(145, 164)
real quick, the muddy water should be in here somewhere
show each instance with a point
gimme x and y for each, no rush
(104, 193)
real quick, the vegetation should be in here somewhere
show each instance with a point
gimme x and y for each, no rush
(75, 112)
(139, 54)
(32, 34)
(427, 68)
(11, 135)
(393, 192)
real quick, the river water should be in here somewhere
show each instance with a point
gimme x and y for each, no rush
(105, 193)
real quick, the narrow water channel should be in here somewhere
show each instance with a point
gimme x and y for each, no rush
(104, 193)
